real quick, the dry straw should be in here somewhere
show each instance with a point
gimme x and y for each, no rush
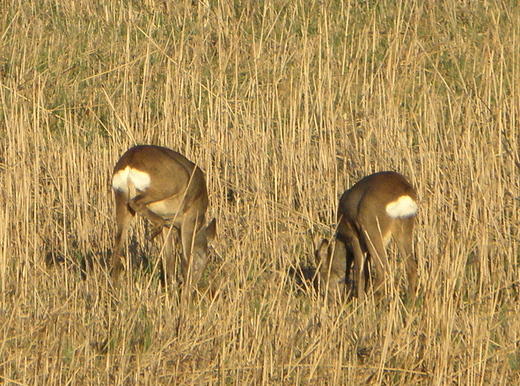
(284, 105)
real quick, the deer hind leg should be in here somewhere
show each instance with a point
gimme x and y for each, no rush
(139, 205)
(124, 215)
(359, 267)
(403, 235)
(376, 249)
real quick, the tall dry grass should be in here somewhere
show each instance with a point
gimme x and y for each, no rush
(285, 104)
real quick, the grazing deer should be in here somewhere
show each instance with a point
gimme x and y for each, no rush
(379, 207)
(170, 191)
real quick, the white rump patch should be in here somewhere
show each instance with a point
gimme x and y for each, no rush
(123, 178)
(404, 206)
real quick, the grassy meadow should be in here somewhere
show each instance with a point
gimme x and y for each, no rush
(284, 105)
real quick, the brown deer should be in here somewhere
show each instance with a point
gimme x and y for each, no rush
(379, 207)
(170, 191)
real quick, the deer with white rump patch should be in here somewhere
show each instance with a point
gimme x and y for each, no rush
(170, 191)
(379, 207)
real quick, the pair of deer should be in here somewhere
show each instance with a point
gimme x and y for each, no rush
(170, 191)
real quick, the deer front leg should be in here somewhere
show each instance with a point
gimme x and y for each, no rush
(195, 248)
(336, 270)
(170, 235)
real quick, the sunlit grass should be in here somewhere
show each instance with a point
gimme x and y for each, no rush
(284, 105)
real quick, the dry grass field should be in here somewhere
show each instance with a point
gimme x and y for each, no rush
(284, 105)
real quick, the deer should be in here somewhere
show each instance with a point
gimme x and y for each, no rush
(380, 207)
(170, 191)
